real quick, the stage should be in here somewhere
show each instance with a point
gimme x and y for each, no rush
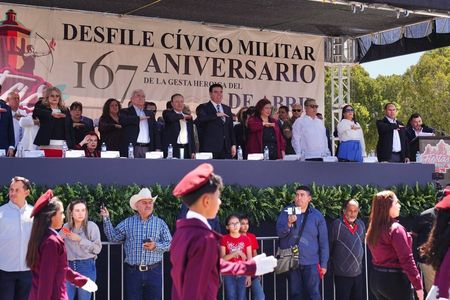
(51, 171)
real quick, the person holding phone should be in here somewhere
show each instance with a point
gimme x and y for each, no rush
(146, 237)
(83, 243)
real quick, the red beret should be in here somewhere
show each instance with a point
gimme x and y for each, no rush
(42, 202)
(193, 180)
(444, 203)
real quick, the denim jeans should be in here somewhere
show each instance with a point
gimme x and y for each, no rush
(235, 287)
(15, 285)
(143, 285)
(257, 289)
(85, 267)
(304, 283)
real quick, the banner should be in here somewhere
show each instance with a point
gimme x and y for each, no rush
(92, 57)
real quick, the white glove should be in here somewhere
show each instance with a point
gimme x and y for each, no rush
(264, 264)
(90, 286)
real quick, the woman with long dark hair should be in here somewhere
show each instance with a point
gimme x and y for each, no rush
(83, 244)
(436, 251)
(109, 125)
(352, 146)
(394, 269)
(47, 256)
(263, 130)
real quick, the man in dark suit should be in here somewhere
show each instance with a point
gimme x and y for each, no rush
(7, 140)
(415, 128)
(392, 143)
(215, 123)
(178, 129)
(139, 127)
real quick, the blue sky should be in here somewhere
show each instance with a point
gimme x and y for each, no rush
(396, 65)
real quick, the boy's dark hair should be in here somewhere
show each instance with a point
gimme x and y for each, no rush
(214, 183)
(304, 188)
(244, 217)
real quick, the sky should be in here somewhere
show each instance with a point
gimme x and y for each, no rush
(396, 65)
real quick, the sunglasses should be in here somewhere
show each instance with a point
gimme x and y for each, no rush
(349, 110)
(296, 110)
(313, 105)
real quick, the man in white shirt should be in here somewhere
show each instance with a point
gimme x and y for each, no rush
(309, 138)
(392, 143)
(13, 101)
(15, 230)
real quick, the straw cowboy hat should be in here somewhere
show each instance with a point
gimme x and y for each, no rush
(145, 193)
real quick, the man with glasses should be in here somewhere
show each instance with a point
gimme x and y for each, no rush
(392, 143)
(309, 138)
(139, 127)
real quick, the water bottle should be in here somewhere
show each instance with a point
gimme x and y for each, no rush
(239, 153)
(64, 149)
(130, 151)
(266, 153)
(104, 149)
(170, 152)
(19, 152)
(418, 157)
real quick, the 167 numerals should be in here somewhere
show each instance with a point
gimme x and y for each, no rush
(96, 66)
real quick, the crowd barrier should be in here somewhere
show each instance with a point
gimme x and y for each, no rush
(111, 284)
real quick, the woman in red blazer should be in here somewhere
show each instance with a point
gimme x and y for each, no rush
(263, 131)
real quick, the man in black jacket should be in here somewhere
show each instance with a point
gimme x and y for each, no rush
(392, 143)
(414, 128)
(215, 123)
(139, 127)
(179, 129)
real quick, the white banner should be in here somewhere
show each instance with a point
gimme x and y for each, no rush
(92, 57)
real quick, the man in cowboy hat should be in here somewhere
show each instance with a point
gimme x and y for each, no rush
(146, 237)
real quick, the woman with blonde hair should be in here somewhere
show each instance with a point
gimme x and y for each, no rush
(55, 121)
(394, 269)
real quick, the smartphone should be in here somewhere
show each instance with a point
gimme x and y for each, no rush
(147, 241)
(102, 206)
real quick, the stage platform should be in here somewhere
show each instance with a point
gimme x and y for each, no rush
(122, 171)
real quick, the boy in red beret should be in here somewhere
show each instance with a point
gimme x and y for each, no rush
(194, 252)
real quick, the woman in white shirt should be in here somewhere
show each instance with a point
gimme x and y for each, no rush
(83, 244)
(351, 137)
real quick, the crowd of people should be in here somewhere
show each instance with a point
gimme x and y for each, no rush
(45, 258)
(254, 129)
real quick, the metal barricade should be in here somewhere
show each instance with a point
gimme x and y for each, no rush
(268, 245)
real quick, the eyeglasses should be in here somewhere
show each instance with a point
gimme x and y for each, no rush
(349, 110)
(234, 224)
(296, 110)
(313, 105)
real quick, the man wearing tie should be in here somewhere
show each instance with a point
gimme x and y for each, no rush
(139, 127)
(178, 129)
(392, 142)
(216, 126)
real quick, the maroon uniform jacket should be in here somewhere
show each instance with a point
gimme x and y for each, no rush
(194, 254)
(51, 271)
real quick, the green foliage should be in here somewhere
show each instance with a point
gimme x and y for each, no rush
(260, 204)
(424, 88)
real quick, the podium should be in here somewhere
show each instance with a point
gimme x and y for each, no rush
(433, 150)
